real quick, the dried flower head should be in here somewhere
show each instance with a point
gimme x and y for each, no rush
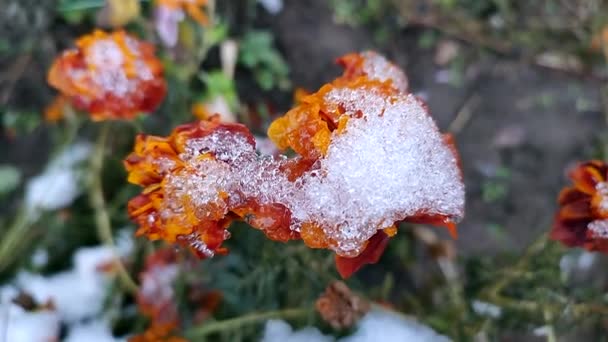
(582, 218)
(111, 75)
(369, 156)
(340, 307)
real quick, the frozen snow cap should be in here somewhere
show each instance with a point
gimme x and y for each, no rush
(369, 156)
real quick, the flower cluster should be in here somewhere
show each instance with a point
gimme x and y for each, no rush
(582, 219)
(369, 156)
(110, 75)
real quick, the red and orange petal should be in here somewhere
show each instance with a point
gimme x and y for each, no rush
(161, 215)
(583, 206)
(110, 75)
(307, 129)
(273, 219)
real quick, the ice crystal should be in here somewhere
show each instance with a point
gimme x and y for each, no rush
(599, 228)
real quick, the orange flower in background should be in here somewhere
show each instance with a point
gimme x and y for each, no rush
(110, 75)
(369, 156)
(582, 218)
(156, 297)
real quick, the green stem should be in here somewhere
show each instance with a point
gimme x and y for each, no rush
(13, 238)
(102, 218)
(237, 322)
(494, 292)
(519, 268)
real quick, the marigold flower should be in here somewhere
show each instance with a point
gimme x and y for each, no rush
(192, 191)
(327, 128)
(369, 156)
(111, 75)
(582, 218)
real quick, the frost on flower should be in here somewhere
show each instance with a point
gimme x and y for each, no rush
(369, 156)
(59, 184)
(111, 75)
(582, 218)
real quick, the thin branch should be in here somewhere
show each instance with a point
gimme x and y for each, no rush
(102, 218)
(232, 324)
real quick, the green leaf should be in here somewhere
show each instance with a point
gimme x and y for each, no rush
(22, 122)
(216, 34)
(258, 53)
(79, 5)
(218, 84)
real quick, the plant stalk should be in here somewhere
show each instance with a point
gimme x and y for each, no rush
(102, 218)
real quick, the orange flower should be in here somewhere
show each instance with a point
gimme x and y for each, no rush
(189, 196)
(110, 75)
(312, 126)
(369, 156)
(582, 219)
